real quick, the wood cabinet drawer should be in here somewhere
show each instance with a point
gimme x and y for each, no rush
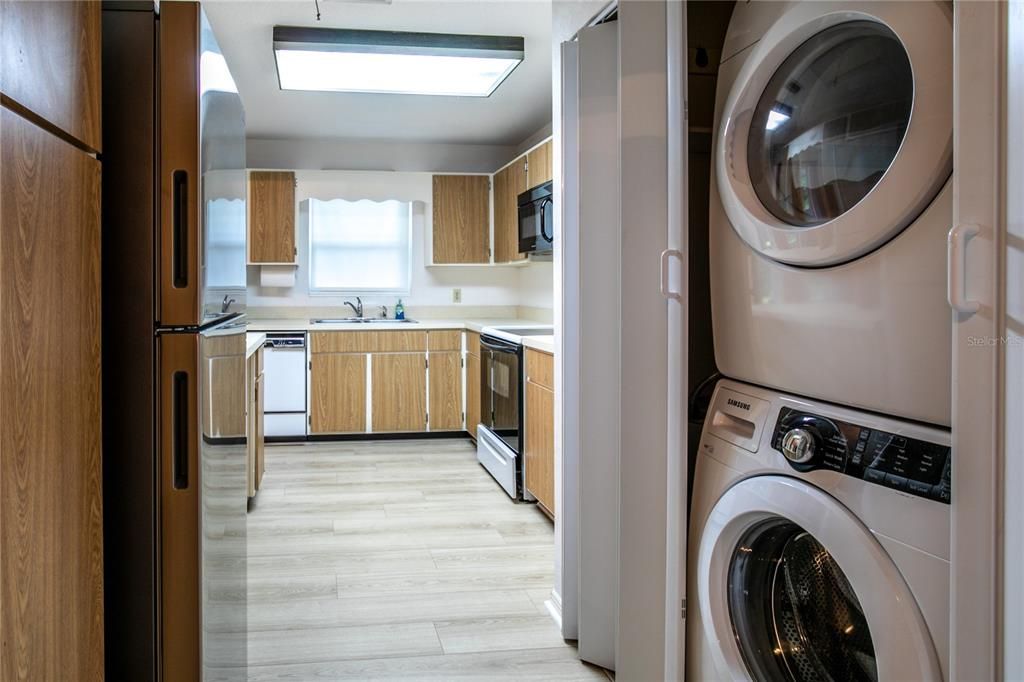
(540, 368)
(445, 340)
(368, 342)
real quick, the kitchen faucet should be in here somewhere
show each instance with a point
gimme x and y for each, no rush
(356, 307)
(226, 303)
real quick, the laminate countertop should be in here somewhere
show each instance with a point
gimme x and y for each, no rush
(544, 344)
(253, 341)
(296, 325)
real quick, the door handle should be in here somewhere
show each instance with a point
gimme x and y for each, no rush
(179, 229)
(956, 268)
(666, 290)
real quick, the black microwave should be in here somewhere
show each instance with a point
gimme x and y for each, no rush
(536, 220)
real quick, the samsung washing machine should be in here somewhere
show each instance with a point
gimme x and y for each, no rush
(819, 543)
(831, 203)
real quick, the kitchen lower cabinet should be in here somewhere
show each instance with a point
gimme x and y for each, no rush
(472, 385)
(254, 421)
(401, 381)
(399, 389)
(539, 424)
(445, 409)
(223, 381)
(337, 393)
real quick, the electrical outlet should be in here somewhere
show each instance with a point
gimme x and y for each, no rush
(456, 295)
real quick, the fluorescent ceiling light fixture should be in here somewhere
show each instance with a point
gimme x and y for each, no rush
(392, 62)
(776, 117)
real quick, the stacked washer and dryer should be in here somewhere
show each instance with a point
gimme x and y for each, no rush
(819, 531)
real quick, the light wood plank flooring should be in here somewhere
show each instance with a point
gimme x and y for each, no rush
(391, 560)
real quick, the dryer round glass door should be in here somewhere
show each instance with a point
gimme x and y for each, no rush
(837, 132)
(794, 611)
(792, 586)
(830, 122)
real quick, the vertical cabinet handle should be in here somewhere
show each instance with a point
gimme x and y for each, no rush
(956, 268)
(666, 289)
(179, 430)
(179, 227)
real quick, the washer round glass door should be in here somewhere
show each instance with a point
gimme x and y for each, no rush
(794, 611)
(792, 586)
(837, 132)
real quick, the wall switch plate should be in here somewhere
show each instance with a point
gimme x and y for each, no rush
(456, 295)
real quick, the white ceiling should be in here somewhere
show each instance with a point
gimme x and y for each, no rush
(519, 107)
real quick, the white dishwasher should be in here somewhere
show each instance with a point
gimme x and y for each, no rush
(284, 376)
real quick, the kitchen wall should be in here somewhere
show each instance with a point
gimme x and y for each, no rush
(504, 286)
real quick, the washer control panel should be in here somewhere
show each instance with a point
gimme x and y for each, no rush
(809, 441)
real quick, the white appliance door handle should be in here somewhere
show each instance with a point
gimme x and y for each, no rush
(666, 289)
(956, 268)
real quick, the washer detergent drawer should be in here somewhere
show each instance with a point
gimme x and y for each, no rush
(499, 460)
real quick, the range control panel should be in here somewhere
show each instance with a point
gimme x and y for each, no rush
(810, 442)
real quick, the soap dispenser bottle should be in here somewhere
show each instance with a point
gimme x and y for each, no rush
(399, 310)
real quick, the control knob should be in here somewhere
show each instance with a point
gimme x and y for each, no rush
(798, 446)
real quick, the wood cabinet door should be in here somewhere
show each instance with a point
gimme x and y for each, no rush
(509, 183)
(461, 229)
(224, 381)
(251, 374)
(445, 391)
(399, 392)
(272, 217)
(50, 64)
(539, 165)
(472, 393)
(540, 445)
(337, 393)
(51, 506)
(261, 462)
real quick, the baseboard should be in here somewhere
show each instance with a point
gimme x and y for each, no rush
(554, 607)
(329, 437)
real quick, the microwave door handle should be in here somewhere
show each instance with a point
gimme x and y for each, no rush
(543, 233)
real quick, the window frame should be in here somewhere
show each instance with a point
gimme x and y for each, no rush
(345, 291)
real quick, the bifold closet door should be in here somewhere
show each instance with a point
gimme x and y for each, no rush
(599, 326)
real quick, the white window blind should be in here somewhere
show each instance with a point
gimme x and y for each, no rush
(225, 252)
(359, 246)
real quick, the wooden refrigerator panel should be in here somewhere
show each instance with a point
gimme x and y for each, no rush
(51, 521)
(50, 64)
(179, 179)
(178, 444)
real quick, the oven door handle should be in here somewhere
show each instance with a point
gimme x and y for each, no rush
(500, 346)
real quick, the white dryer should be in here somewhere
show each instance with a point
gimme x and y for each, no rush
(831, 203)
(830, 561)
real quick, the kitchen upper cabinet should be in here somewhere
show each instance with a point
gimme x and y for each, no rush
(539, 165)
(50, 63)
(539, 424)
(272, 217)
(399, 388)
(51, 506)
(445, 391)
(461, 219)
(337, 392)
(472, 382)
(509, 183)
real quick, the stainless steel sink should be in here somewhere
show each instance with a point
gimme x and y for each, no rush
(362, 320)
